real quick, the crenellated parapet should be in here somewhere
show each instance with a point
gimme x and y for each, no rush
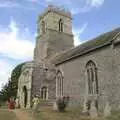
(56, 9)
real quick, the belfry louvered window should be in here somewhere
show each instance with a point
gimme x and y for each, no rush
(43, 27)
(60, 25)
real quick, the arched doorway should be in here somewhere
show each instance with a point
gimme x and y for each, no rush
(44, 93)
(25, 96)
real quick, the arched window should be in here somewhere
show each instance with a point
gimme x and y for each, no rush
(59, 84)
(44, 93)
(60, 25)
(43, 27)
(92, 78)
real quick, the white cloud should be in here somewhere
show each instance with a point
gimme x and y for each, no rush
(78, 6)
(7, 3)
(13, 46)
(33, 1)
(84, 9)
(17, 4)
(95, 3)
(5, 71)
(75, 10)
(60, 2)
(77, 33)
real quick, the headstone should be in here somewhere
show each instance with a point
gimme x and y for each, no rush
(17, 105)
(93, 110)
(107, 110)
(55, 107)
(85, 108)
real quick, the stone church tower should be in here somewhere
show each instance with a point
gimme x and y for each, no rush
(54, 33)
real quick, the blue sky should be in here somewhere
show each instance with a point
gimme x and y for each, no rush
(18, 26)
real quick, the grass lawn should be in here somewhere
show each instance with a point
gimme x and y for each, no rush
(47, 113)
(7, 115)
(37, 116)
(114, 116)
(70, 114)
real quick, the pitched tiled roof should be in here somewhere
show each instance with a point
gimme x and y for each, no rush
(90, 45)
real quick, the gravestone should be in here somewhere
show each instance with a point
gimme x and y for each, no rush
(85, 108)
(55, 106)
(93, 110)
(107, 110)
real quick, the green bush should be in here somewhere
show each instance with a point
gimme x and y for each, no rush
(9, 90)
(62, 103)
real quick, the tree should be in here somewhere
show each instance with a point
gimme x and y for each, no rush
(14, 79)
(10, 89)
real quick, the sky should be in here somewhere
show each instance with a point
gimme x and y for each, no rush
(18, 26)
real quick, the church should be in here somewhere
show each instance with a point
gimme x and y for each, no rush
(88, 73)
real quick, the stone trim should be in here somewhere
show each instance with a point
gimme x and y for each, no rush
(55, 9)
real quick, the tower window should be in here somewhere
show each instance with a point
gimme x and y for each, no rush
(60, 25)
(43, 27)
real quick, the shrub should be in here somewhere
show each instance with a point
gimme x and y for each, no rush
(62, 103)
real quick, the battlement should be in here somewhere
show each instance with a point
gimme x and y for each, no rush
(56, 9)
